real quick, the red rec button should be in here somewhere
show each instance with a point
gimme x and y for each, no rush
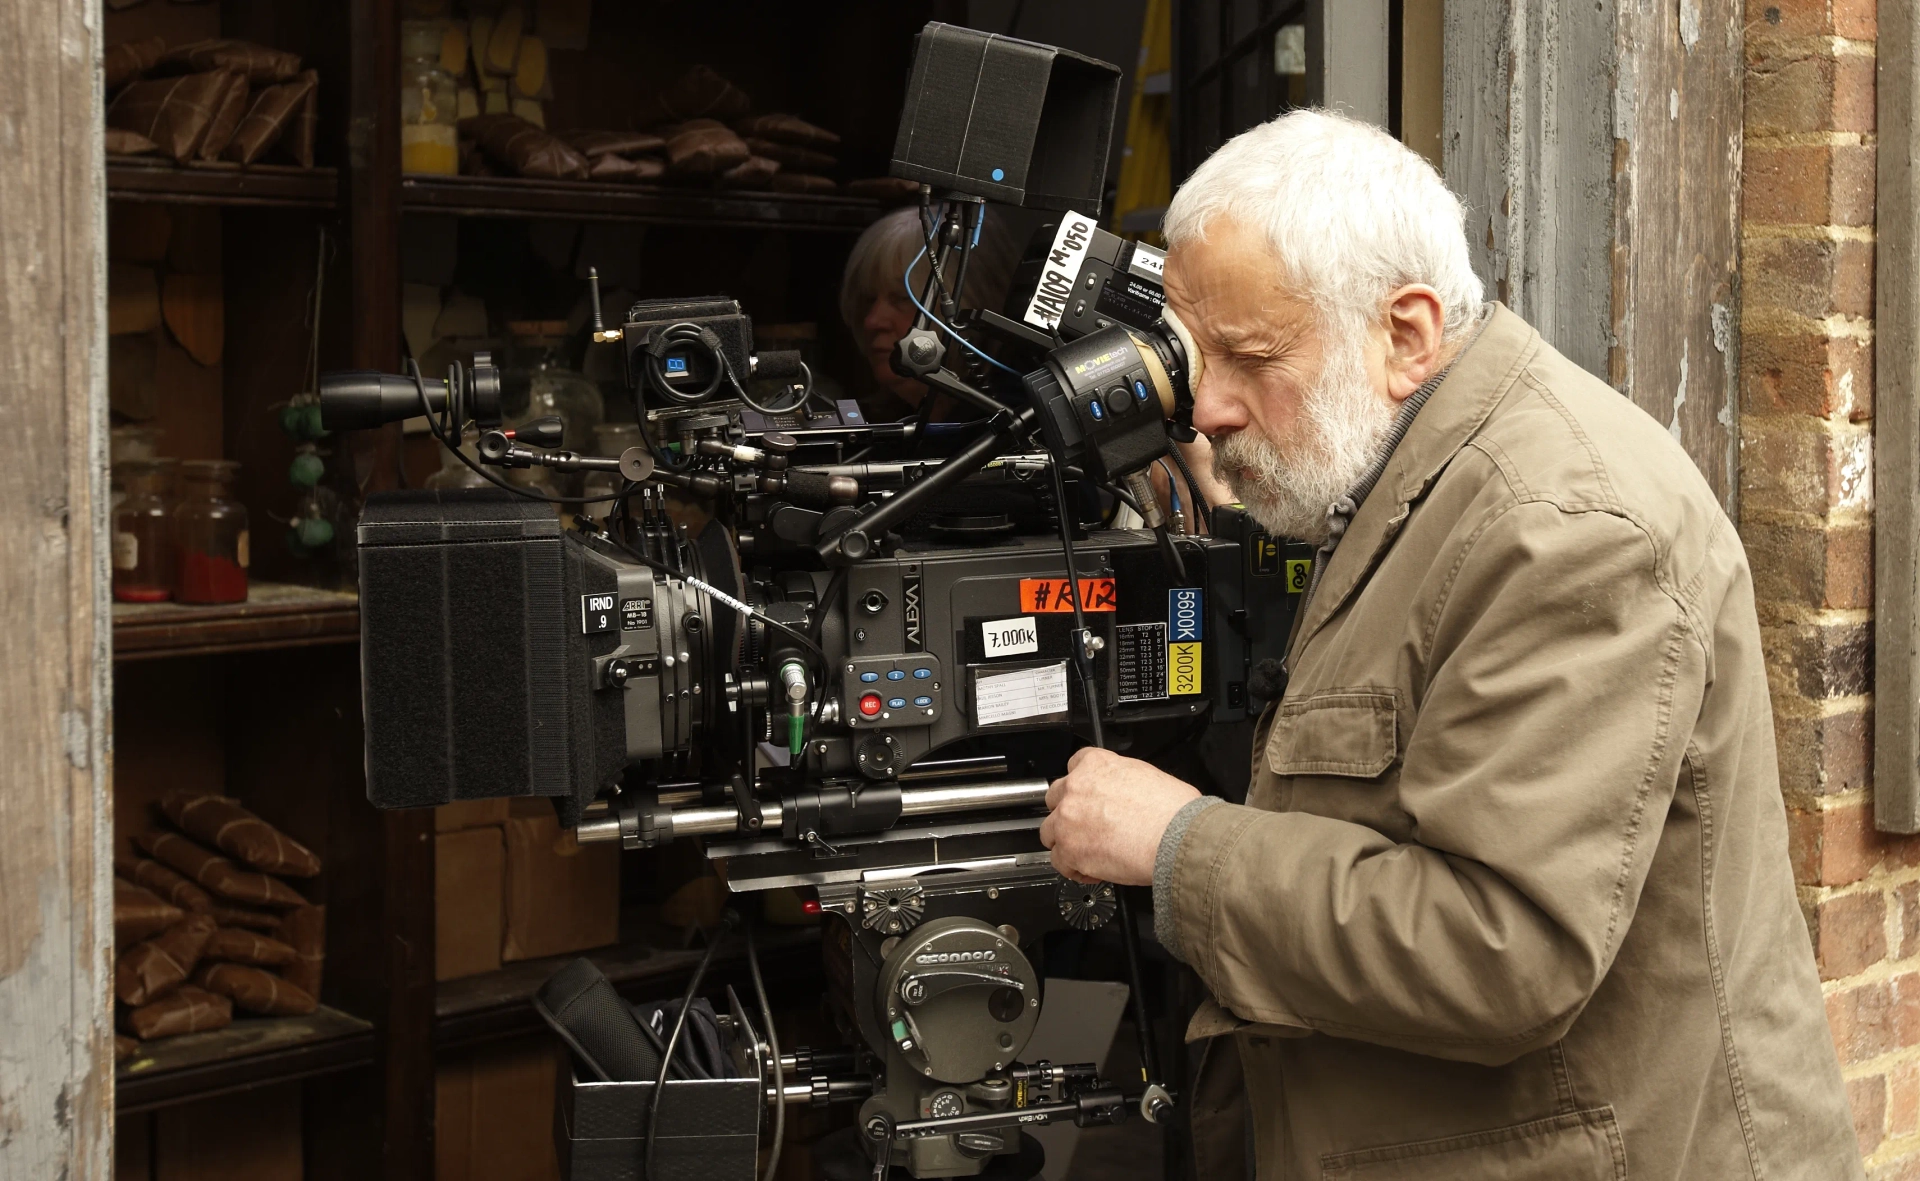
(870, 704)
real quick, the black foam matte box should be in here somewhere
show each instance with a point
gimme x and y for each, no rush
(464, 649)
(1006, 119)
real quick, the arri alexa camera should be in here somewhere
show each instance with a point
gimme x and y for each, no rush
(859, 676)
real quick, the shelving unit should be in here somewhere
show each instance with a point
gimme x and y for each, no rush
(266, 185)
(275, 615)
(488, 196)
(253, 1051)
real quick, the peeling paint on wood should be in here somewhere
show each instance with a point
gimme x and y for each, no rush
(56, 1067)
(1551, 124)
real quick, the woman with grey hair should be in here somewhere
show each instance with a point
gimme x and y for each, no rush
(875, 307)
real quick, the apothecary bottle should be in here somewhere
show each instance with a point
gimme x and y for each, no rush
(143, 531)
(211, 545)
(429, 101)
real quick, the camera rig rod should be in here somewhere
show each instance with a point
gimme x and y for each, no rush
(670, 820)
(859, 539)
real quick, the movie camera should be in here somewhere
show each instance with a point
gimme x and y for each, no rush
(859, 674)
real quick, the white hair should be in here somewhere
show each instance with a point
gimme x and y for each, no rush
(1351, 213)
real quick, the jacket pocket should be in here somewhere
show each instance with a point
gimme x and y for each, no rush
(1343, 732)
(1577, 1146)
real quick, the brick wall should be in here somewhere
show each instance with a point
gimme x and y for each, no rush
(1806, 514)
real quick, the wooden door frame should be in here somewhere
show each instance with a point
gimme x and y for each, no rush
(56, 666)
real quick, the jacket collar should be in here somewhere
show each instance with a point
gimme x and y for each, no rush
(1477, 382)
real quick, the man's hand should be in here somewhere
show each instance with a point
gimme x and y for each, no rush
(1109, 813)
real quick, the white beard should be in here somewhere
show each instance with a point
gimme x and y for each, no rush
(1288, 485)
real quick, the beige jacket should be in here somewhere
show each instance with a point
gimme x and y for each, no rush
(1510, 895)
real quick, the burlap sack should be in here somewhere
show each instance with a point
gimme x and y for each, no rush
(800, 182)
(226, 118)
(786, 129)
(241, 916)
(612, 168)
(303, 128)
(594, 144)
(891, 189)
(124, 1047)
(129, 143)
(266, 119)
(702, 147)
(260, 64)
(217, 873)
(235, 945)
(172, 112)
(139, 913)
(790, 156)
(700, 93)
(151, 968)
(162, 881)
(221, 822)
(255, 991)
(523, 149)
(128, 60)
(755, 172)
(306, 932)
(184, 1010)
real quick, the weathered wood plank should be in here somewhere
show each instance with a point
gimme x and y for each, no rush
(1598, 149)
(1896, 429)
(56, 1073)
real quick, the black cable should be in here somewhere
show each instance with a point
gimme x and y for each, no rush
(1082, 661)
(1201, 512)
(773, 1051)
(673, 1040)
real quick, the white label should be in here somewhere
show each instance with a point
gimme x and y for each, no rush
(1148, 262)
(126, 551)
(1012, 696)
(243, 550)
(1057, 277)
(1009, 637)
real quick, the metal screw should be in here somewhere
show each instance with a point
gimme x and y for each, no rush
(993, 891)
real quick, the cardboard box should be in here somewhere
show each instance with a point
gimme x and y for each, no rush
(469, 877)
(561, 896)
(493, 1113)
(245, 1136)
(469, 814)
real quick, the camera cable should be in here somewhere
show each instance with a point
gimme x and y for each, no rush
(773, 1053)
(442, 428)
(727, 920)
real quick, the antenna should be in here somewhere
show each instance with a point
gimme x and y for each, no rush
(601, 333)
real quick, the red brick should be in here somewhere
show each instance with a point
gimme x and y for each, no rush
(1868, 1099)
(1806, 373)
(1809, 184)
(1809, 277)
(1838, 846)
(1854, 19)
(1851, 934)
(1805, 468)
(1903, 1100)
(1907, 897)
(1906, 1009)
(1821, 661)
(1862, 1021)
(1810, 565)
(1805, 89)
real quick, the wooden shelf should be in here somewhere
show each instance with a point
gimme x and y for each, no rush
(275, 615)
(498, 1004)
(252, 1052)
(140, 179)
(490, 196)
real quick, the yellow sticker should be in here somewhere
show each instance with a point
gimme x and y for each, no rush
(1299, 570)
(1183, 669)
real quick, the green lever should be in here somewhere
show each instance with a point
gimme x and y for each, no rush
(796, 733)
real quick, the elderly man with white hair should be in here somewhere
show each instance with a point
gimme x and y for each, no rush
(1510, 896)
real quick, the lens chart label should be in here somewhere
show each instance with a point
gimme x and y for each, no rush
(1141, 660)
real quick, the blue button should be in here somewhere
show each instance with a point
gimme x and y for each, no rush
(999, 174)
(1098, 411)
(897, 703)
(869, 678)
(921, 674)
(894, 674)
(1140, 389)
(923, 702)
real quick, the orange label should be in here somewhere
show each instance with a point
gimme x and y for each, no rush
(1049, 596)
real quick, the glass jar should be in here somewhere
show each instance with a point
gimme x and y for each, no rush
(454, 474)
(429, 102)
(143, 531)
(210, 535)
(538, 382)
